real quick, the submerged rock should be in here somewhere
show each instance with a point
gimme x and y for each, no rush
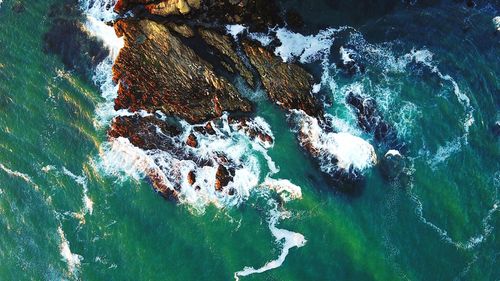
(371, 120)
(156, 71)
(68, 39)
(392, 165)
(496, 128)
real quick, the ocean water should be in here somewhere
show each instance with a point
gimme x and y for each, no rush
(74, 205)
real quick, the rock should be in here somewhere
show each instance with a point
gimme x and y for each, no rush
(182, 29)
(371, 120)
(225, 46)
(259, 14)
(156, 71)
(191, 177)
(169, 7)
(157, 181)
(209, 129)
(192, 141)
(160, 8)
(142, 131)
(287, 84)
(496, 128)
(222, 178)
(392, 165)
(18, 7)
(350, 63)
(252, 130)
(68, 39)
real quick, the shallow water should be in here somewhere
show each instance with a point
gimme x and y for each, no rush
(432, 70)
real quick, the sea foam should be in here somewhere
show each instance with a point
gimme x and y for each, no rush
(72, 260)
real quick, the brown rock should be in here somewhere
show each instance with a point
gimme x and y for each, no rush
(209, 129)
(156, 71)
(191, 177)
(222, 178)
(287, 84)
(142, 131)
(182, 29)
(192, 141)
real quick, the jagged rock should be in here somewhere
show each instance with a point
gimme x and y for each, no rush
(222, 178)
(224, 45)
(159, 185)
(142, 131)
(260, 14)
(191, 177)
(156, 71)
(192, 140)
(392, 165)
(252, 131)
(161, 8)
(182, 29)
(287, 84)
(371, 120)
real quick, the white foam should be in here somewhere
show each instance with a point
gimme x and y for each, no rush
(496, 22)
(20, 175)
(264, 38)
(286, 238)
(350, 151)
(72, 260)
(444, 152)
(392, 152)
(304, 48)
(82, 181)
(345, 55)
(473, 241)
(235, 29)
(287, 190)
(106, 33)
(120, 158)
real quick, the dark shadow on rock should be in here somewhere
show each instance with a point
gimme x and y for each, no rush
(67, 39)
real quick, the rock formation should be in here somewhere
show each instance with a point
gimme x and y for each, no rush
(287, 84)
(155, 71)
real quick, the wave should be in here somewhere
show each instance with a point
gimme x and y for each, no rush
(20, 175)
(72, 260)
(473, 241)
(177, 167)
(496, 22)
(333, 150)
(82, 181)
(286, 238)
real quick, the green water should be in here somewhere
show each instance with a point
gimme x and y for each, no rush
(47, 127)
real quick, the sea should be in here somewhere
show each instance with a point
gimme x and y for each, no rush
(76, 205)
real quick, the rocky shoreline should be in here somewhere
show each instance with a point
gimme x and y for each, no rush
(163, 82)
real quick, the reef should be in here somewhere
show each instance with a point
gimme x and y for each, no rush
(177, 97)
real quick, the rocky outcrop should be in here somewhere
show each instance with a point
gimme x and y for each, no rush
(371, 120)
(260, 14)
(225, 46)
(223, 177)
(287, 84)
(161, 8)
(144, 132)
(156, 71)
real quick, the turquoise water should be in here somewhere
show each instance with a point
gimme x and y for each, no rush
(64, 218)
